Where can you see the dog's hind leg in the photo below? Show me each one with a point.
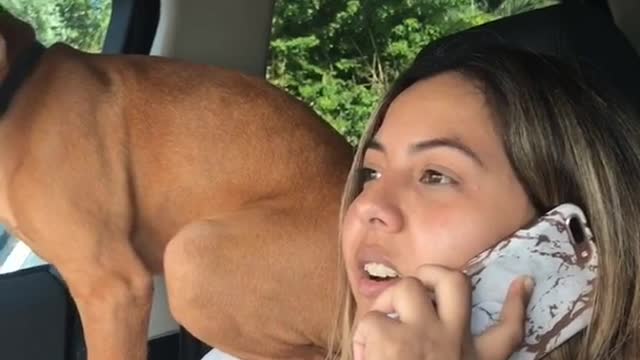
(216, 280)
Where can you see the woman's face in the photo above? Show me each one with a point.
(438, 188)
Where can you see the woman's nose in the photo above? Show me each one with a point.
(379, 210)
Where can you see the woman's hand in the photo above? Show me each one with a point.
(427, 331)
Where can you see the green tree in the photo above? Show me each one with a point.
(339, 56)
(79, 23)
(510, 7)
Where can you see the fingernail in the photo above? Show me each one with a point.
(529, 283)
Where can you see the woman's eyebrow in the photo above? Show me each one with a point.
(452, 143)
(425, 145)
(373, 144)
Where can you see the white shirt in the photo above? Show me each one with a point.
(216, 354)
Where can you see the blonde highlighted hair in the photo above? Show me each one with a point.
(568, 139)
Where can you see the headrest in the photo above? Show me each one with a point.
(573, 32)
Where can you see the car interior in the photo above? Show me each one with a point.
(38, 319)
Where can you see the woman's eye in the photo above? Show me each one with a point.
(368, 174)
(433, 177)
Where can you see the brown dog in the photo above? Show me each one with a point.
(114, 168)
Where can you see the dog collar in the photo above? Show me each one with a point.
(22, 68)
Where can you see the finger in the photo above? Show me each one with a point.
(371, 334)
(502, 339)
(410, 300)
(452, 295)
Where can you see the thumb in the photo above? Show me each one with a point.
(505, 337)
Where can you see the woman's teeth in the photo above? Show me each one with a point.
(378, 271)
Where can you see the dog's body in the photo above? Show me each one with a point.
(114, 168)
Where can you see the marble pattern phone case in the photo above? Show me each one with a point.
(564, 271)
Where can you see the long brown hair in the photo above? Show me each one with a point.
(568, 140)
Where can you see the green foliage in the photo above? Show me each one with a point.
(339, 56)
(509, 7)
(80, 23)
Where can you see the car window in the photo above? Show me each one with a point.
(80, 23)
(339, 56)
(15, 255)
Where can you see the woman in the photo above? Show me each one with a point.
(463, 151)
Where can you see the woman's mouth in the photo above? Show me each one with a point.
(375, 278)
(379, 272)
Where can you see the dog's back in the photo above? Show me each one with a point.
(231, 141)
(191, 141)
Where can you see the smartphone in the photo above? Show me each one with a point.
(559, 253)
